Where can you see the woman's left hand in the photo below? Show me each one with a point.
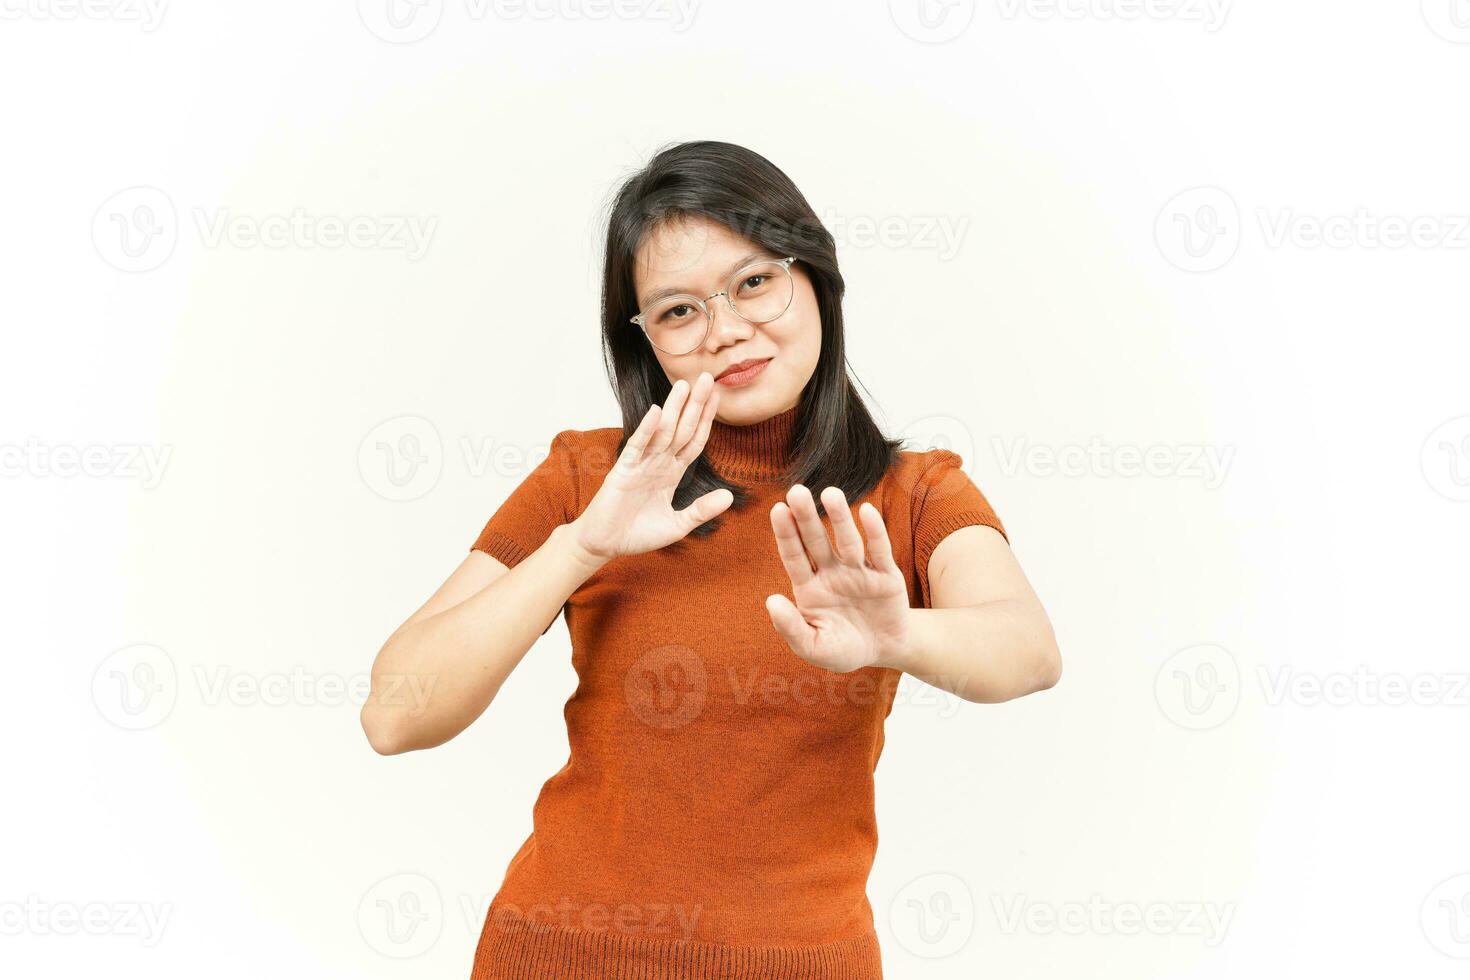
(851, 611)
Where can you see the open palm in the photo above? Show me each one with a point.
(850, 611)
(633, 511)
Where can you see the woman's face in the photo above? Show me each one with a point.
(697, 256)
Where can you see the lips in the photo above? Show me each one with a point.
(741, 366)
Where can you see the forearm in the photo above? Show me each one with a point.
(434, 677)
(988, 653)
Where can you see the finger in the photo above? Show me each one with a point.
(788, 545)
(669, 417)
(692, 419)
(790, 623)
(880, 549)
(707, 507)
(696, 445)
(638, 441)
(809, 523)
(848, 540)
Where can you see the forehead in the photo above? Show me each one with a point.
(684, 252)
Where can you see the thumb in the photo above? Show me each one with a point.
(790, 623)
(711, 505)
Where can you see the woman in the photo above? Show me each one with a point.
(734, 662)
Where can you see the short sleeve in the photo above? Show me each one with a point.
(945, 500)
(545, 499)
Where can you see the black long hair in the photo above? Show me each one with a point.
(835, 440)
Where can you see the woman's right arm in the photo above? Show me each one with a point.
(440, 670)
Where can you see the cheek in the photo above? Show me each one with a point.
(801, 340)
(809, 337)
(670, 370)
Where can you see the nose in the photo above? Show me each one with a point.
(726, 327)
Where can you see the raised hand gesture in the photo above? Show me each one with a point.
(633, 510)
(849, 611)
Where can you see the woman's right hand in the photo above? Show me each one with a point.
(633, 510)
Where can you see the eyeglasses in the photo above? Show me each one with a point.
(758, 293)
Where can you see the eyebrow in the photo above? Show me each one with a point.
(672, 291)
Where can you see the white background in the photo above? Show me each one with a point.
(1178, 227)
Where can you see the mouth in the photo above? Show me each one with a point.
(740, 370)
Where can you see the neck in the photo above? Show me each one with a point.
(758, 451)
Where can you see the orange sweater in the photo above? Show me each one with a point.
(715, 817)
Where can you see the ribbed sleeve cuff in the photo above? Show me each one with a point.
(932, 534)
(507, 552)
(499, 547)
(940, 529)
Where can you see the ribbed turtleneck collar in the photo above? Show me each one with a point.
(759, 451)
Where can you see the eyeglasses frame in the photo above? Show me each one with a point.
(709, 317)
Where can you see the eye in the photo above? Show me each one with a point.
(673, 312)
(752, 279)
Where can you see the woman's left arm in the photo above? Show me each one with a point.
(986, 637)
